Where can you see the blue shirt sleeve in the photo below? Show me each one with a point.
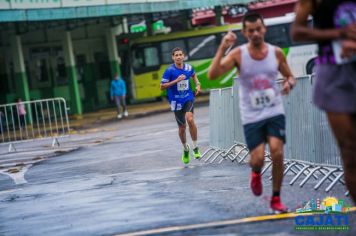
(166, 77)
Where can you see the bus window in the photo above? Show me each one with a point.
(240, 37)
(145, 58)
(239, 41)
(278, 35)
(202, 47)
(138, 59)
(167, 48)
(151, 56)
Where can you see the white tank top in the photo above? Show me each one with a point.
(259, 93)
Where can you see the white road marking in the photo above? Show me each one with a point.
(18, 177)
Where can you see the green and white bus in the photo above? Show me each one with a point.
(150, 56)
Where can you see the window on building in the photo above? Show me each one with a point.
(80, 64)
(39, 66)
(102, 65)
(60, 73)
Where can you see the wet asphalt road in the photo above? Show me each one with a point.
(130, 178)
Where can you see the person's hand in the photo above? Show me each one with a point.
(348, 48)
(197, 89)
(229, 40)
(180, 78)
(287, 86)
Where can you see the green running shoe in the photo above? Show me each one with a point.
(196, 153)
(186, 156)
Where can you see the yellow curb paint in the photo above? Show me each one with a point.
(218, 223)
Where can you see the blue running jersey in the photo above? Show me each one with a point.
(179, 93)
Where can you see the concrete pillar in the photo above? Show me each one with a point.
(90, 84)
(114, 58)
(75, 102)
(21, 82)
(185, 18)
(218, 16)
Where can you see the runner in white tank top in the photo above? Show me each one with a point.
(261, 104)
(259, 93)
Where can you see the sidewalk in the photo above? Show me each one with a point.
(109, 115)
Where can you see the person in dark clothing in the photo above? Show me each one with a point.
(335, 87)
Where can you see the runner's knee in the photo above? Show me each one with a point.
(190, 120)
(257, 159)
(182, 128)
(276, 153)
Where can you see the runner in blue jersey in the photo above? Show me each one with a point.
(260, 99)
(181, 98)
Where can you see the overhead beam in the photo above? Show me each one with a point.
(15, 15)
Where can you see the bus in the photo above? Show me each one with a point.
(150, 56)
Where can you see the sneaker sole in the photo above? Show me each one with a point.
(256, 194)
(277, 212)
(185, 163)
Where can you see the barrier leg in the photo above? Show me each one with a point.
(324, 178)
(332, 177)
(299, 174)
(243, 158)
(299, 166)
(266, 168)
(334, 182)
(206, 152)
(232, 157)
(12, 148)
(216, 156)
(309, 175)
(55, 142)
(212, 154)
(289, 168)
(238, 153)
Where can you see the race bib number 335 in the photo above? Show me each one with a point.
(262, 98)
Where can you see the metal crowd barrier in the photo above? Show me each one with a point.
(310, 152)
(44, 119)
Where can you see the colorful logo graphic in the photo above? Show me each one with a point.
(327, 214)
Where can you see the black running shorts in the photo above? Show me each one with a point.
(257, 133)
(180, 115)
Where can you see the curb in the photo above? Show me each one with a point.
(94, 124)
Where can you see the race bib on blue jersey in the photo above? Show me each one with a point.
(183, 85)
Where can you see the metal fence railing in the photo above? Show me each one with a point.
(31, 120)
(310, 151)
